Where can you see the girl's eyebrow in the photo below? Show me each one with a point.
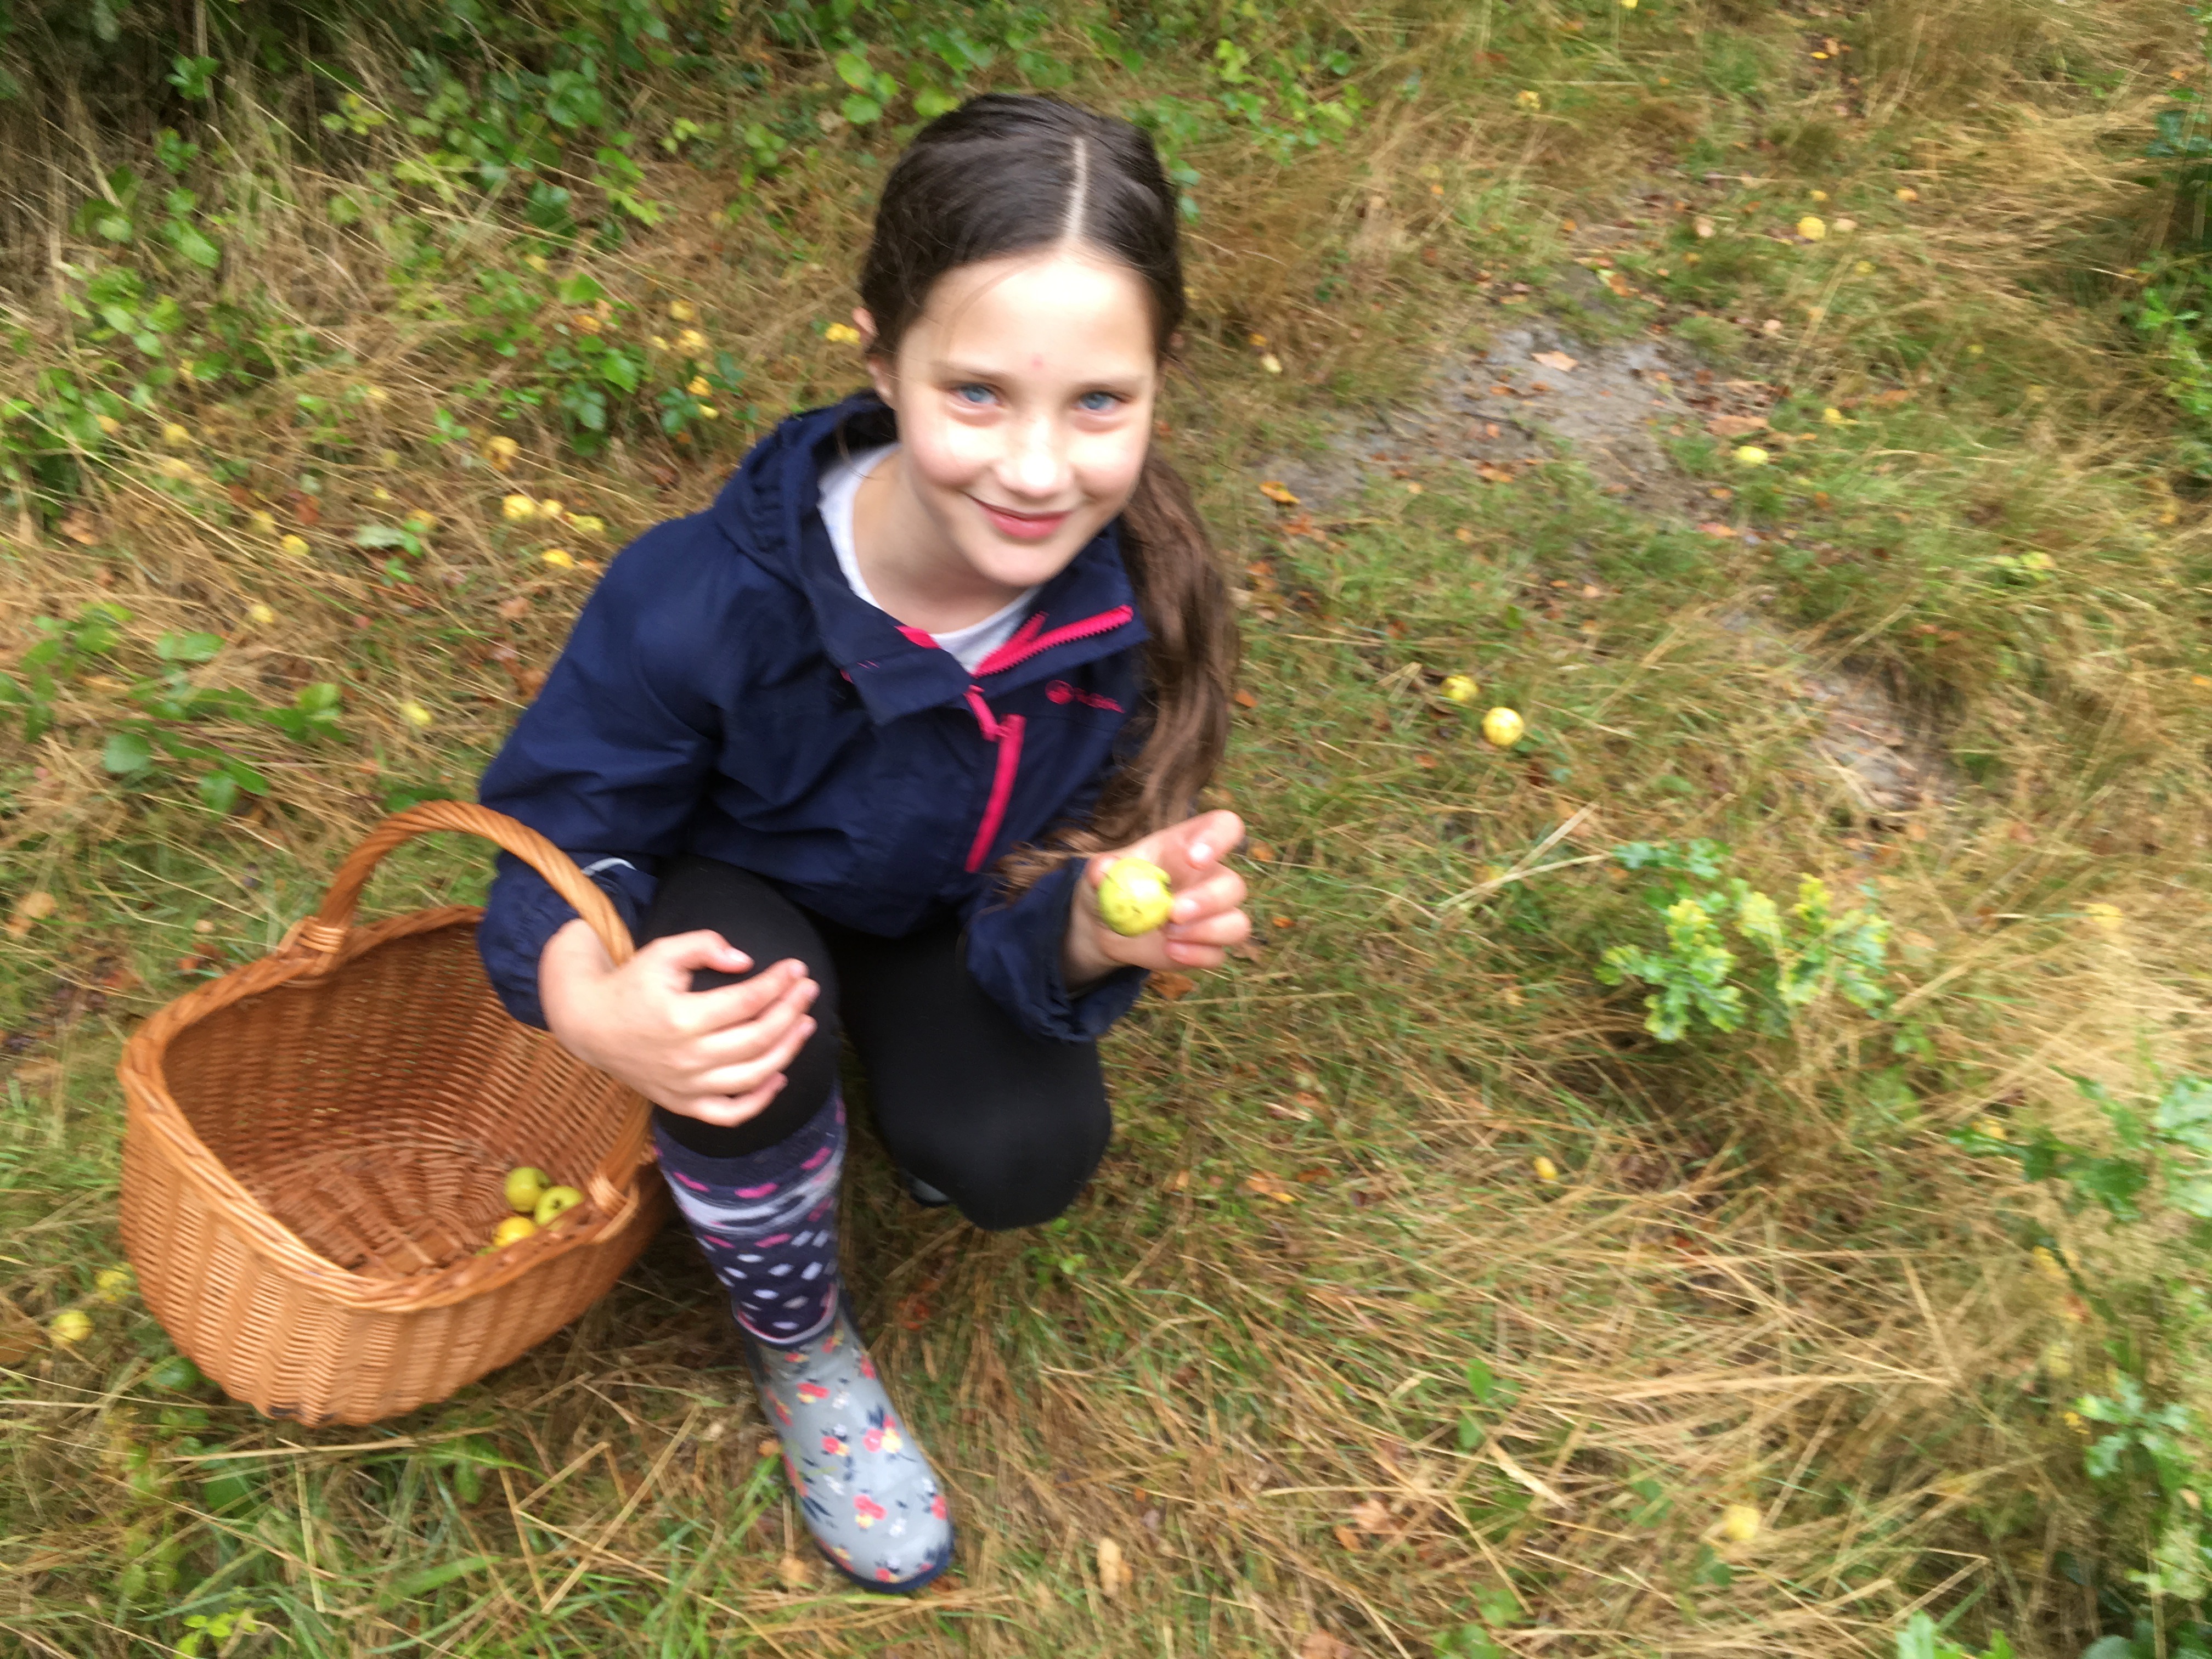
(962, 373)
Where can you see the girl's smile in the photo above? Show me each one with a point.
(1024, 397)
(1022, 526)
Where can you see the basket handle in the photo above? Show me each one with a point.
(324, 933)
(613, 1186)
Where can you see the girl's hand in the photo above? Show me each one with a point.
(716, 1055)
(1205, 921)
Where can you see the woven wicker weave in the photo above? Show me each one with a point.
(317, 1145)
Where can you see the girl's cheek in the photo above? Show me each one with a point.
(949, 457)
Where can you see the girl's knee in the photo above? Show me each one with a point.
(1026, 1177)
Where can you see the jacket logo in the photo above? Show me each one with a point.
(1061, 691)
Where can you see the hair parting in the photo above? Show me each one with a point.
(1003, 174)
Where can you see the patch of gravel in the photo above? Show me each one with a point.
(1535, 392)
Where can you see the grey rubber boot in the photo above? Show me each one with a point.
(869, 1496)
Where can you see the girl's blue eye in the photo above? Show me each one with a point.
(1097, 402)
(972, 393)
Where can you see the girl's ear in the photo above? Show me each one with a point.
(879, 369)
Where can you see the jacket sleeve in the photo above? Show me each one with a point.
(611, 760)
(522, 912)
(1014, 952)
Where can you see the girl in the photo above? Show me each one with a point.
(850, 749)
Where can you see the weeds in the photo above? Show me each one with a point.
(1431, 1302)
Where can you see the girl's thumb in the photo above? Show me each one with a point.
(683, 954)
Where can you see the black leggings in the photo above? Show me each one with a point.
(1007, 1125)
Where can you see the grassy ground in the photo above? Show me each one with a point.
(1429, 1303)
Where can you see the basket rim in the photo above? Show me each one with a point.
(152, 1107)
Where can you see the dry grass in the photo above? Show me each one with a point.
(1760, 1278)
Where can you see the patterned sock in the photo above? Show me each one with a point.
(768, 1222)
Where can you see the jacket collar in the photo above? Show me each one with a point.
(1087, 612)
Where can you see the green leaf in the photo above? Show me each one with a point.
(175, 1374)
(860, 111)
(852, 69)
(930, 103)
(192, 245)
(127, 753)
(384, 535)
(579, 291)
(218, 791)
(1497, 1605)
(188, 647)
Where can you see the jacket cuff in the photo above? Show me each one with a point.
(522, 911)
(1014, 953)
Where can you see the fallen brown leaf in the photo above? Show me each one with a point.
(1171, 987)
(34, 906)
(795, 1574)
(1113, 1568)
(1736, 426)
(79, 528)
(19, 1335)
(1245, 699)
(1320, 1644)
(1349, 1539)
(1373, 1517)
(1557, 360)
(1267, 1185)
(1275, 490)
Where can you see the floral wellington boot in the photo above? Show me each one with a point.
(870, 1497)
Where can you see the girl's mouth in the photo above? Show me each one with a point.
(1021, 527)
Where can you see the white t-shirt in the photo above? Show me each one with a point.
(841, 485)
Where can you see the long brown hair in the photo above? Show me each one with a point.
(1003, 174)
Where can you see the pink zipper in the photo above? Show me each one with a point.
(1007, 734)
(1027, 642)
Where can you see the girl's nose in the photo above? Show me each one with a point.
(1035, 467)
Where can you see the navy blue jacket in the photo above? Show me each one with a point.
(726, 692)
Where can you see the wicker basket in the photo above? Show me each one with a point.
(317, 1145)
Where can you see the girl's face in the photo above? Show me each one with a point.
(1025, 397)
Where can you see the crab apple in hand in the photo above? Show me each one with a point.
(1205, 918)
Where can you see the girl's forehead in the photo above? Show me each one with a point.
(1037, 307)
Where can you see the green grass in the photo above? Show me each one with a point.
(1322, 1350)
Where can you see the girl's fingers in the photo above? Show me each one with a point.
(750, 1038)
(672, 961)
(727, 1110)
(1222, 890)
(1195, 956)
(699, 1013)
(1229, 927)
(1209, 837)
(750, 1074)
